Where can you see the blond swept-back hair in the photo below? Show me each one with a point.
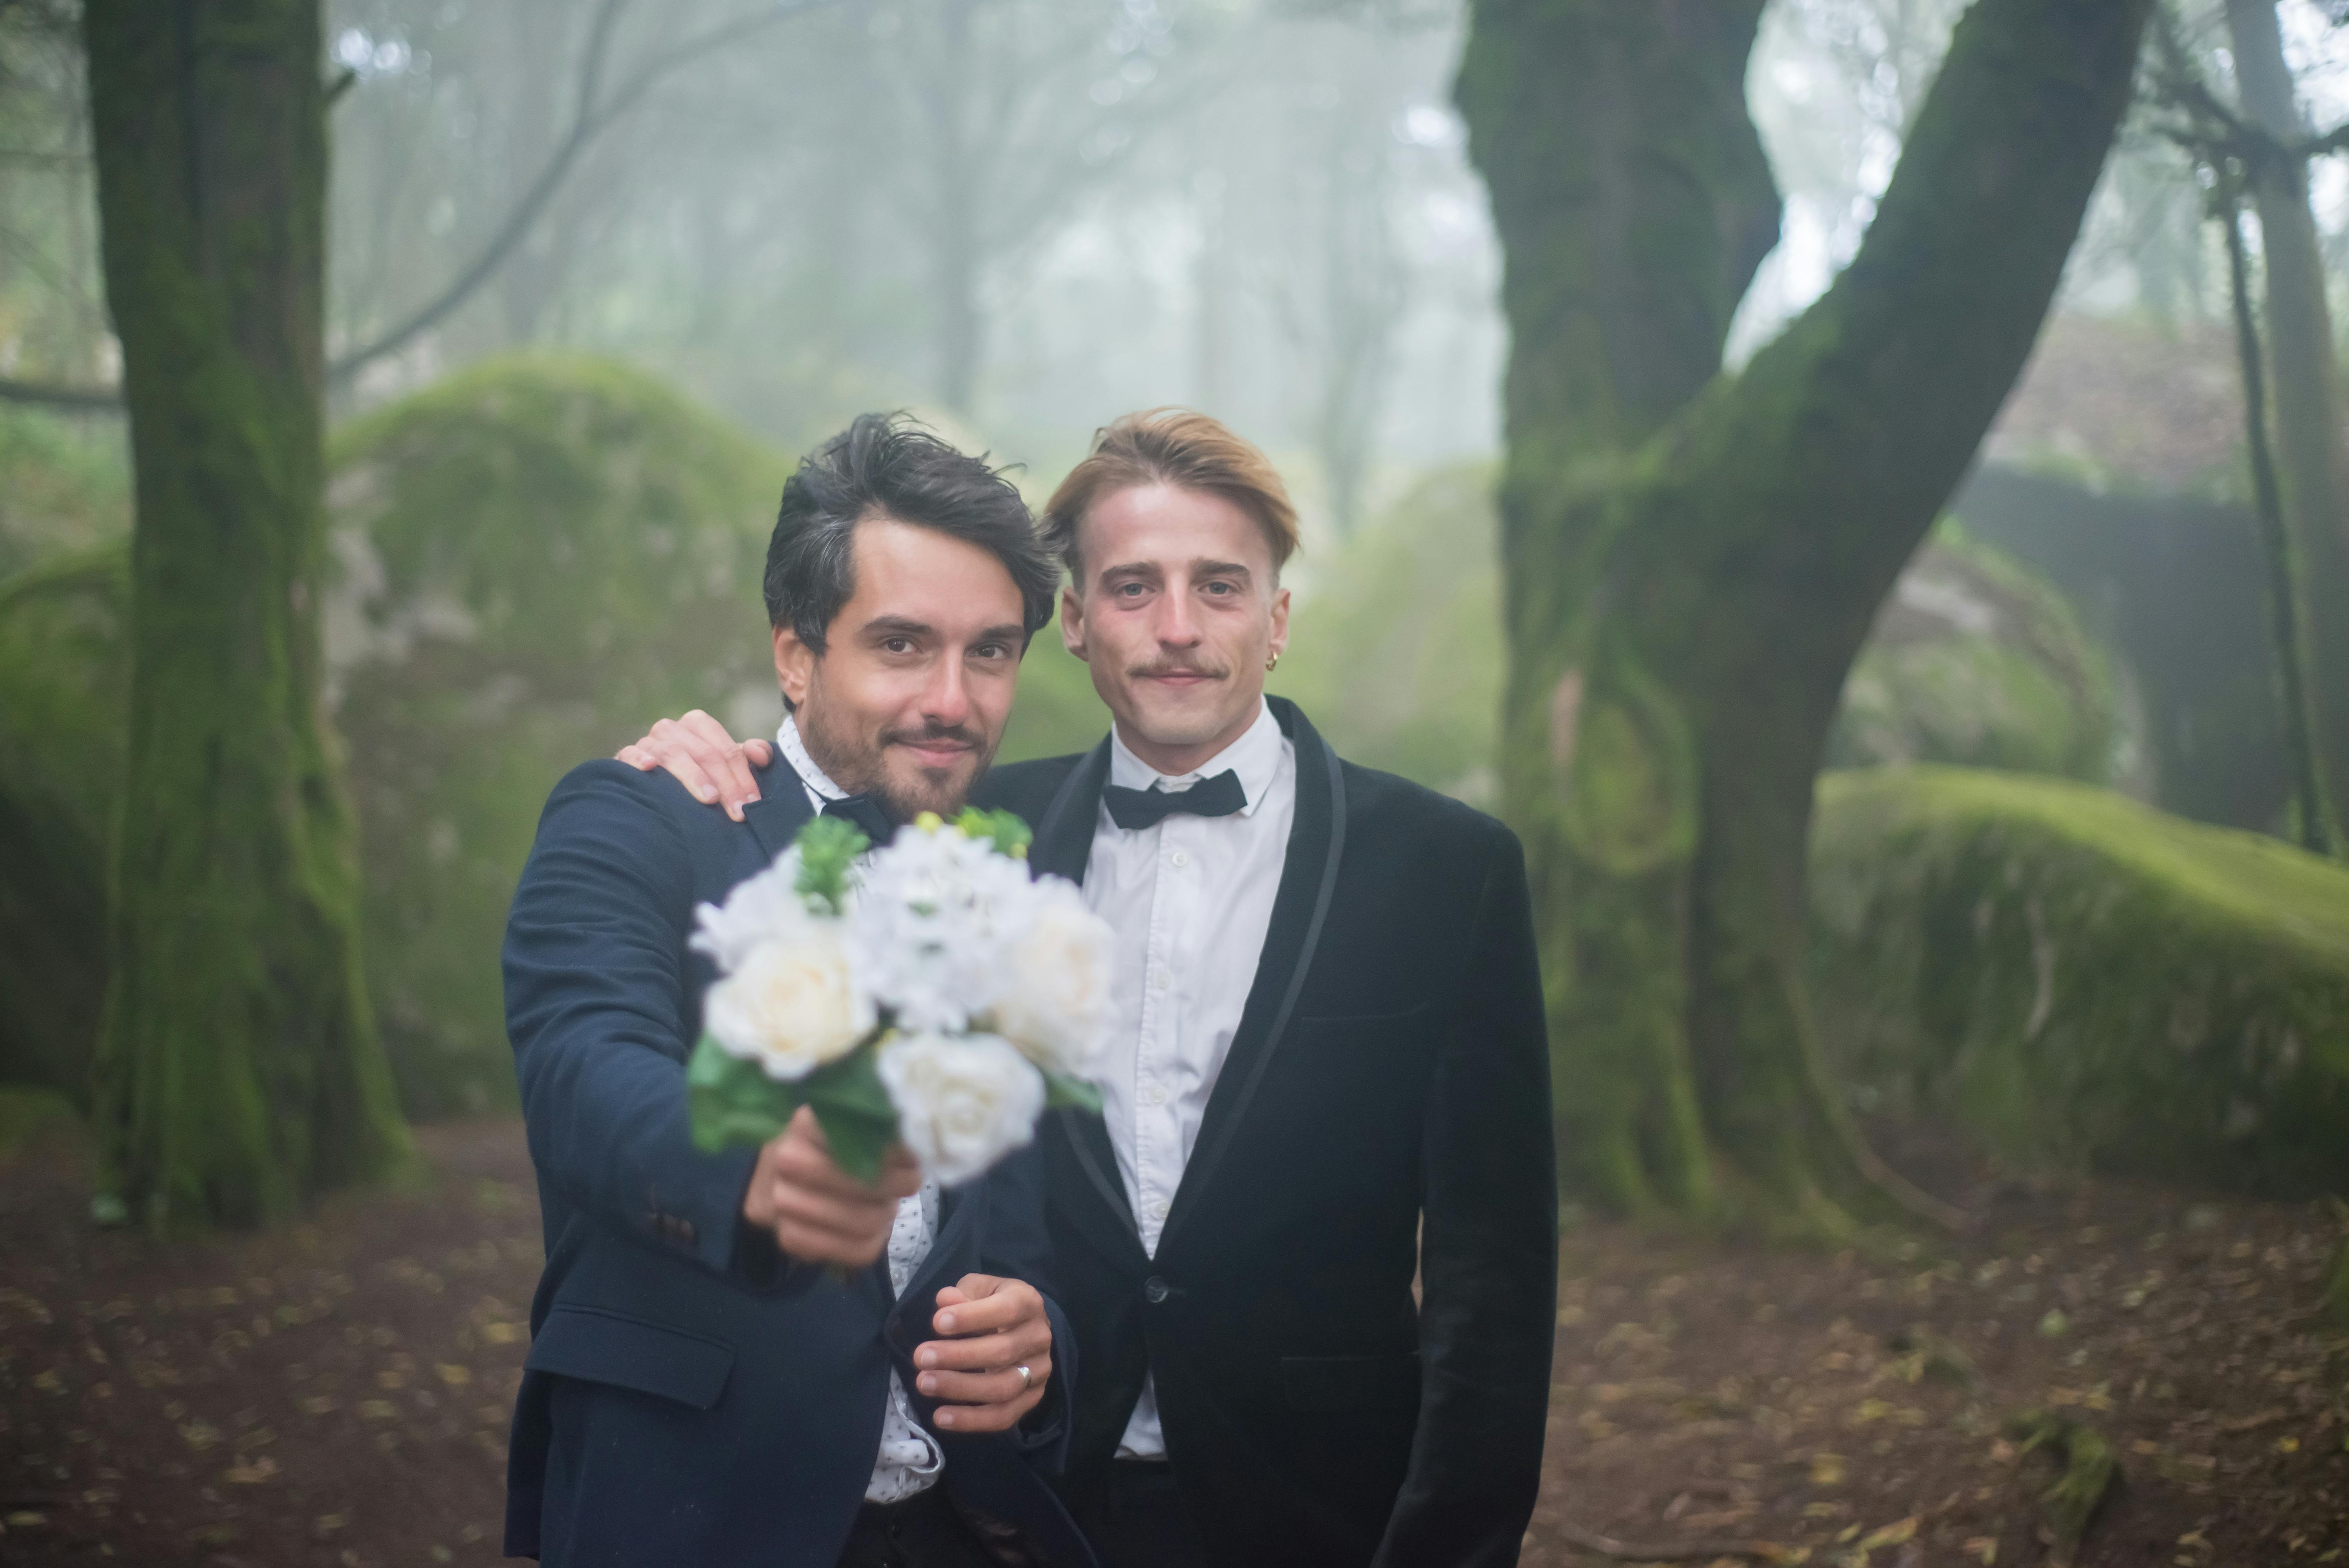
(1178, 446)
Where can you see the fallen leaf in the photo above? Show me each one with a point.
(252, 1473)
(1897, 1534)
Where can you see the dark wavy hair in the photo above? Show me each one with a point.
(889, 465)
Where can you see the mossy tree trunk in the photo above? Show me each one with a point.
(238, 1063)
(1692, 560)
(2308, 409)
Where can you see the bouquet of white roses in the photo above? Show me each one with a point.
(931, 994)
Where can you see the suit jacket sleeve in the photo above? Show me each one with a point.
(1488, 1255)
(594, 974)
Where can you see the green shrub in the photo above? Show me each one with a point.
(537, 557)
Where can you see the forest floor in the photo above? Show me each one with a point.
(337, 1392)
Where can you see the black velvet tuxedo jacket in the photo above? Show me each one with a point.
(1390, 1068)
(691, 1395)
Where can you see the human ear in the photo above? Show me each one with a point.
(794, 666)
(1072, 620)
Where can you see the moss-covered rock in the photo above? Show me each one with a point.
(62, 698)
(537, 556)
(1394, 644)
(1976, 661)
(2082, 981)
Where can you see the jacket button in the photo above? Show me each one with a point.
(1154, 1289)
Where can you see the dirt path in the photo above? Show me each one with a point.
(337, 1393)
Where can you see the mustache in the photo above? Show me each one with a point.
(935, 735)
(1157, 667)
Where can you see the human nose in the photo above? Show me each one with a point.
(1177, 628)
(945, 703)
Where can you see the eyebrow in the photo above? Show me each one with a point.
(907, 626)
(1201, 568)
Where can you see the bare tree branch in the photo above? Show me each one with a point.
(590, 119)
(594, 114)
(106, 399)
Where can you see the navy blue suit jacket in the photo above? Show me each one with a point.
(691, 1395)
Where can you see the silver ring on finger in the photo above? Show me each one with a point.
(1027, 1378)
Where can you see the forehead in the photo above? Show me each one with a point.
(919, 574)
(1165, 525)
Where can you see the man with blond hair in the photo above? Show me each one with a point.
(1329, 1073)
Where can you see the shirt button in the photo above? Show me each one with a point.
(1179, 859)
(1160, 979)
(1158, 1210)
(1153, 1094)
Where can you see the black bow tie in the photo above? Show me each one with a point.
(1217, 797)
(866, 813)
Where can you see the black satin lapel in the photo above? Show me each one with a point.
(1064, 834)
(1089, 1139)
(781, 809)
(1308, 879)
(1097, 1207)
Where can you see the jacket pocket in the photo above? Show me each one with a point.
(599, 1347)
(1350, 1382)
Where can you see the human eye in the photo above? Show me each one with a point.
(897, 646)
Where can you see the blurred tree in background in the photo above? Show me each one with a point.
(1692, 562)
(238, 1062)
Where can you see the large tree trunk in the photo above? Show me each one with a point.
(238, 1064)
(2309, 439)
(1693, 562)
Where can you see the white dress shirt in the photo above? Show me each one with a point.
(1190, 901)
(910, 1458)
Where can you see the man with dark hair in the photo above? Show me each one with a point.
(724, 1367)
(1309, 1247)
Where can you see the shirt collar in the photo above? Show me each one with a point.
(1254, 757)
(818, 783)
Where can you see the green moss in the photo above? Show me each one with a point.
(63, 673)
(2082, 981)
(68, 487)
(537, 558)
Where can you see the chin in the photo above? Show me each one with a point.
(912, 791)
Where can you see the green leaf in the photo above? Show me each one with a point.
(852, 1106)
(1010, 835)
(858, 1141)
(1061, 1090)
(828, 846)
(731, 1102)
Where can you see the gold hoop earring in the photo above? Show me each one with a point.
(1272, 663)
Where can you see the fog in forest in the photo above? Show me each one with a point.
(1021, 217)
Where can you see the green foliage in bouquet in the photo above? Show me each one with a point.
(733, 1102)
(828, 846)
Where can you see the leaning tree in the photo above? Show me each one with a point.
(1694, 558)
(238, 1064)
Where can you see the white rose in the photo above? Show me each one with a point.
(791, 1006)
(1054, 1002)
(963, 1101)
(757, 910)
(932, 914)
